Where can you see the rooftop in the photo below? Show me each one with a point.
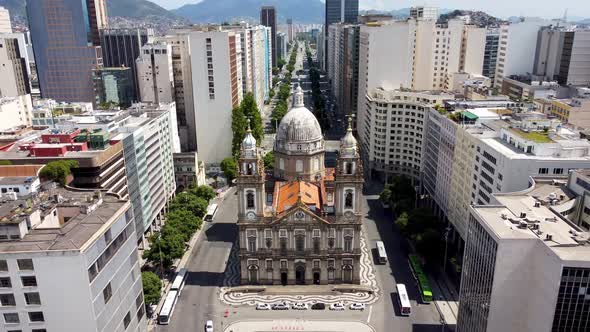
(522, 216)
(291, 192)
(81, 215)
(535, 136)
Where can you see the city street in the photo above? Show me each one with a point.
(199, 300)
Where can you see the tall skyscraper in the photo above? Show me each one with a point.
(290, 32)
(121, 47)
(5, 26)
(340, 11)
(65, 36)
(13, 69)
(268, 18)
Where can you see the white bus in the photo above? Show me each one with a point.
(179, 279)
(168, 308)
(211, 212)
(381, 252)
(404, 301)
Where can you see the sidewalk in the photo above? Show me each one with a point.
(444, 299)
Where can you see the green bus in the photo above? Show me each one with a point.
(421, 279)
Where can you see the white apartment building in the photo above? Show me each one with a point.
(517, 47)
(5, 26)
(256, 68)
(392, 128)
(525, 268)
(473, 154)
(183, 87)
(423, 12)
(15, 112)
(155, 76)
(217, 89)
(14, 66)
(71, 264)
(417, 54)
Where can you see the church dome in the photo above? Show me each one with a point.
(299, 125)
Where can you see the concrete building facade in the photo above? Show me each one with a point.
(154, 73)
(14, 67)
(87, 244)
(5, 26)
(268, 18)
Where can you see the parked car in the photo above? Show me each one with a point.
(357, 306)
(280, 306)
(299, 306)
(318, 306)
(337, 306)
(209, 326)
(262, 306)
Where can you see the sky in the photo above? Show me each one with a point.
(500, 8)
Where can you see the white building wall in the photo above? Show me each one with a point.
(213, 115)
(579, 70)
(5, 26)
(516, 50)
(155, 73)
(15, 112)
(474, 50)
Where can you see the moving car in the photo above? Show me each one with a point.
(299, 306)
(262, 306)
(209, 326)
(357, 306)
(280, 306)
(337, 306)
(318, 306)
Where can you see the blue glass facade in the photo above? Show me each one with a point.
(64, 53)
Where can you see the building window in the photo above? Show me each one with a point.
(5, 282)
(250, 200)
(252, 243)
(543, 170)
(558, 171)
(36, 316)
(127, 320)
(349, 167)
(3, 265)
(7, 300)
(348, 237)
(348, 198)
(316, 263)
(300, 243)
(32, 299)
(25, 264)
(29, 281)
(38, 330)
(107, 293)
(11, 318)
(268, 238)
(299, 165)
(331, 237)
(281, 164)
(268, 264)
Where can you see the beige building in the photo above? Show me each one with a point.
(5, 26)
(307, 229)
(15, 112)
(575, 111)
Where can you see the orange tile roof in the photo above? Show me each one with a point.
(289, 194)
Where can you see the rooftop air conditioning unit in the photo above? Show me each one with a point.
(548, 237)
(522, 215)
(537, 204)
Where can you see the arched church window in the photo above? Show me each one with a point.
(249, 169)
(348, 198)
(298, 147)
(349, 167)
(250, 200)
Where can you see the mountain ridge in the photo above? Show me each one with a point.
(218, 11)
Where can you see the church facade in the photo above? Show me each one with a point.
(304, 226)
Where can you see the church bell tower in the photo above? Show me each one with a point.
(250, 180)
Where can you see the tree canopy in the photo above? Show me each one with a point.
(152, 287)
(58, 170)
(246, 110)
(184, 200)
(229, 168)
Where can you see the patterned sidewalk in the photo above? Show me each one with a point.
(232, 279)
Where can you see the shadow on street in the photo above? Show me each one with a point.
(204, 278)
(221, 232)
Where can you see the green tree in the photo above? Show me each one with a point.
(196, 205)
(229, 168)
(281, 63)
(205, 192)
(251, 111)
(429, 244)
(271, 94)
(58, 170)
(152, 287)
(402, 223)
(275, 70)
(269, 160)
(183, 221)
(238, 126)
(165, 248)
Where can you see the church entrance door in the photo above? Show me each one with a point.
(300, 275)
(316, 278)
(284, 278)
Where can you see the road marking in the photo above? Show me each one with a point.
(370, 312)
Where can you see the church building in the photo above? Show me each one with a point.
(303, 226)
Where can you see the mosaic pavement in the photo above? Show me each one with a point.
(232, 279)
